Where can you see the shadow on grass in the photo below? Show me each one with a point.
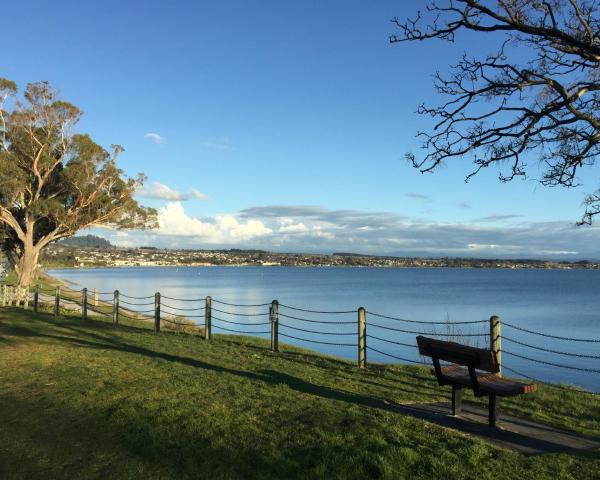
(348, 371)
(101, 335)
(118, 437)
(270, 376)
(73, 442)
(84, 338)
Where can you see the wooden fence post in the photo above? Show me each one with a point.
(496, 340)
(57, 301)
(36, 298)
(274, 315)
(95, 297)
(157, 312)
(362, 338)
(20, 294)
(26, 298)
(84, 304)
(3, 294)
(207, 318)
(116, 308)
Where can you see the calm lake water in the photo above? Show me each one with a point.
(562, 303)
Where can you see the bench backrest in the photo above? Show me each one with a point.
(479, 358)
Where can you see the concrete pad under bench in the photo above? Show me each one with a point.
(517, 434)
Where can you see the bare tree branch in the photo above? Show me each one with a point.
(505, 109)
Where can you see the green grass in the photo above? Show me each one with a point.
(91, 401)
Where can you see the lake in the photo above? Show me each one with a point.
(561, 303)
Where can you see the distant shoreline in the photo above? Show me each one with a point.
(64, 256)
(397, 267)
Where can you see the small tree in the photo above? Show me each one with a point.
(54, 182)
(536, 97)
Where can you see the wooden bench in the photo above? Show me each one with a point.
(480, 374)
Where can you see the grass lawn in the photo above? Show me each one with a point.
(91, 401)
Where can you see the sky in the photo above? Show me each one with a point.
(283, 125)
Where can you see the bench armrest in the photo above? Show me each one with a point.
(442, 380)
(474, 380)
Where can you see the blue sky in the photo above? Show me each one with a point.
(282, 125)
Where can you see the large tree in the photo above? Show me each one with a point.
(535, 97)
(54, 182)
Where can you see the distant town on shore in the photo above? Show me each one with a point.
(91, 251)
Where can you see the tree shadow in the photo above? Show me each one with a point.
(97, 341)
(133, 447)
(100, 335)
(303, 386)
(426, 386)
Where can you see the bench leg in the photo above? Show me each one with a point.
(493, 410)
(456, 400)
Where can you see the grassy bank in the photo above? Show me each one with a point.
(89, 401)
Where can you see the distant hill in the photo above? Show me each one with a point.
(90, 241)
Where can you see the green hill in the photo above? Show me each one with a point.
(88, 241)
(90, 401)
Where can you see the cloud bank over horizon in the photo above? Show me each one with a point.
(308, 228)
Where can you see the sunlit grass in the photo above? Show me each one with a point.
(91, 401)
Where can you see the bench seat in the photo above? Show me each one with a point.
(488, 382)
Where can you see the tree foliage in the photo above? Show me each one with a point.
(54, 182)
(537, 97)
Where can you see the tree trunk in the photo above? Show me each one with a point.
(27, 265)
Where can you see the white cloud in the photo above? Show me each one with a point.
(478, 246)
(316, 229)
(160, 191)
(389, 233)
(154, 137)
(198, 195)
(226, 229)
(295, 228)
(288, 226)
(320, 233)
